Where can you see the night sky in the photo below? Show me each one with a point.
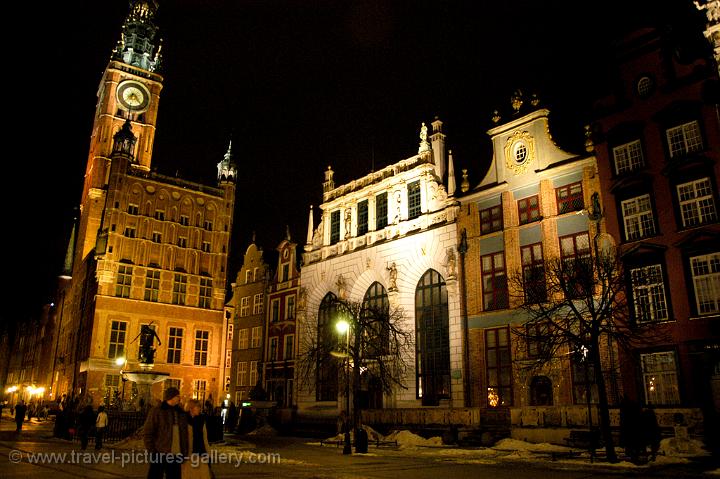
(297, 85)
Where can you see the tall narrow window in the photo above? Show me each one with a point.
(179, 288)
(569, 198)
(288, 350)
(258, 304)
(638, 218)
(290, 308)
(376, 308)
(533, 268)
(255, 337)
(697, 202)
(285, 272)
(499, 367)
(116, 347)
(628, 157)
(660, 378)
(275, 310)
(529, 209)
(491, 219)
(253, 373)
(199, 389)
(202, 339)
(583, 378)
(577, 273)
(705, 272)
(244, 306)
(494, 280)
(124, 281)
(684, 139)
(243, 338)
(334, 227)
(381, 211)
(432, 333)
(242, 373)
(362, 211)
(174, 349)
(205, 293)
(326, 381)
(273, 356)
(648, 292)
(152, 285)
(414, 204)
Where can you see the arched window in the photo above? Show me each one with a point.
(432, 339)
(326, 384)
(376, 308)
(541, 393)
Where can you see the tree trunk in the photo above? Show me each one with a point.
(603, 407)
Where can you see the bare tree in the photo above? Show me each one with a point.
(576, 306)
(378, 345)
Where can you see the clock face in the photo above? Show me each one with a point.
(133, 96)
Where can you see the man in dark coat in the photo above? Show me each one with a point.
(20, 410)
(86, 421)
(166, 437)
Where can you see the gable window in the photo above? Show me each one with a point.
(285, 272)
(413, 192)
(494, 282)
(684, 139)
(124, 281)
(648, 293)
(205, 293)
(569, 198)
(179, 288)
(174, 350)
(202, 339)
(529, 209)
(499, 367)
(362, 211)
(697, 202)
(628, 157)
(660, 378)
(533, 273)
(334, 227)
(638, 218)
(705, 272)
(491, 219)
(152, 285)
(381, 211)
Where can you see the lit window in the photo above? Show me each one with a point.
(638, 218)
(242, 373)
(684, 139)
(381, 211)
(697, 203)
(499, 367)
(660, 378)
(152, 285)
(175, 336)
(202, 339)
(569, 198)
(334, 227)
(529, 209)
(116, 347)
(706, 282)
(205, 293)
(494, 282)
(491, 219)
(124, 281)
(179, 288)
(258, 303)
(243, 339)
(362, 211)
(413, 194)
(244, 306)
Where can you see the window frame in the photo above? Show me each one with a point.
(698, 219)
(414, 198)
(657, 298)
(633, 155)
(713, 275)
(174, 348)
(202, 347)
(495, 294)
(363, 211)
(381, 210)
(645, 228)
(493, 220)
(666, 394)
(685, 144)
(528, 209)
(502, 364)
(573, 201)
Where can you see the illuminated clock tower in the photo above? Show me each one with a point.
(129, 89)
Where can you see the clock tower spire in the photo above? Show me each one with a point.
(129, 90)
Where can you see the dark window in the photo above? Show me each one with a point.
(362, 211)
(381, 211)
(334, 227)
(491, 219)
(432, 333)
(413, 192)
(569, 198)
(583, 377)
(326, 384)
(529, 209)
(577, 269)
(494, 281)
(498, 367)
(376, 309)
(533, 273)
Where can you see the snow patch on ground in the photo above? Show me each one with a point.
(517, 445)
(265, 430)
(407, 439)
(682, 447)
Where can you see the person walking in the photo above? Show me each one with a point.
(86, 420)
(20, 410)
(199, 465)
(165, 435)
(100, 424)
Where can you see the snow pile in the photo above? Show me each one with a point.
(406, 439)
(516, 445)
(265, 430)
(679, 447)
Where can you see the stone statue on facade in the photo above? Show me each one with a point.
(450, 263)
(147, 351)
(393, 277)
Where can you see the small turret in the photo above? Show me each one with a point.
(438, 148)
(227, 170)
(328, 184)
(136, 46)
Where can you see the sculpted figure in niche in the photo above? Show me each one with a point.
(393, 276)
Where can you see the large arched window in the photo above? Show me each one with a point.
(432, 339)
(376, 308)
(326, 384)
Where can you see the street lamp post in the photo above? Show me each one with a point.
(122, 361)
(344, 327)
